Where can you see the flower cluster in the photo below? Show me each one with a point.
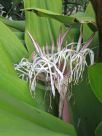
(54, 65)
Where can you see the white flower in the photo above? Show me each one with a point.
(53, 67)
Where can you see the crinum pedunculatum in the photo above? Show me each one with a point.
(60, 68)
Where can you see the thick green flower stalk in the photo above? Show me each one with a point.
(57, 67)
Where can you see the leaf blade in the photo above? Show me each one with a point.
(95, 78)
(11, 44)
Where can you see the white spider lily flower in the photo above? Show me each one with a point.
(53, 66)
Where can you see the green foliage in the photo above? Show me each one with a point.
(87, 31)
(17, 107)
(20, 114)
(86, 109)
(17, 25)
(44, 31)
(11, 9)
(16, 102)
(67, 20)
(7, 66)
(98, 131)
(71, 6)
(96, 80)
(13, 47)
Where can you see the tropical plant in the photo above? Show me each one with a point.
(27, 115)
(60, 68)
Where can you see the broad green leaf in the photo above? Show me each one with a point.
(18, 126)
(21, 88)
(87, 15)
(15, 87)
(95, 77)
(98, 131)
(86, 20)
(18, 25)
(86, 109)
(32, 116)
(79, 17)
(89, 10)
(44, 31)
(11, 44)
(5, 63)
(15, 99)
(87, 32)
(47, 13)
(20, 35)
